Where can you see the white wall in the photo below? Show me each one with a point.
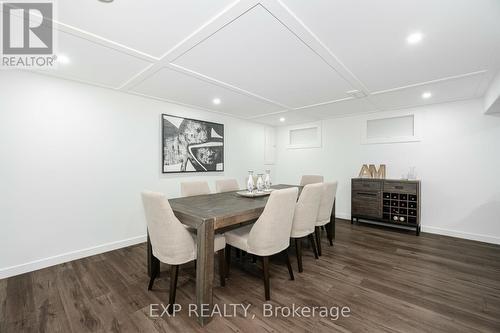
(458, 161)
(74, 159)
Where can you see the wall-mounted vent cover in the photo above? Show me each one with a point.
(305, 136)
(390, 129)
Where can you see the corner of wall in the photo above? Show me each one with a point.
(491, 98)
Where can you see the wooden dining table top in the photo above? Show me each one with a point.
(224, 209)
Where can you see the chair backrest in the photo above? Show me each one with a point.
(171, 241)
(306, 210)
(226, 185)
(327, 200)
(310, 179)
(271, 233)
(189, 189)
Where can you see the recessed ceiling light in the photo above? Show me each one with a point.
(106, 1)
(282, 119)
(216, 101)
(63, 59)
(414, 38)
(426, 95)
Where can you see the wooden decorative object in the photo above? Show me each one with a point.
(365, 172)
(381, 171)
(372, 172)
(378, 174)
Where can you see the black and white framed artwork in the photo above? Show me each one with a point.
(191, 145)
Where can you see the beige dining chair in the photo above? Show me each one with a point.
(269, 235)
(310, 179)
(226, 185)
(189, 189)
(171, 242)
(325, 212)
(304, 219)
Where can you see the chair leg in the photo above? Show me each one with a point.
(155, 269)
(330, 237)
(174, 272)
(265, 269)
(228, 259)
(298, 249)
(331, 226)
(329, 232)
(222, 267)
(289, 265)
(243, 257)
(313, 244)
(317, 232)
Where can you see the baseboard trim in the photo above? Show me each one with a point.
(78, 254)
(343, 216)
(460, 234)
(69, 256)
(445, 232)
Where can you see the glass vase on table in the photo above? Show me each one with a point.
(260, 183)
(267, 180)
(250, 183)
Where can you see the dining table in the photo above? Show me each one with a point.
(215, 213)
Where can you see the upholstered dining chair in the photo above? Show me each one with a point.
(189, 189)
(171, 242)
(310, 179)
(325, 212)
(226, 185)
(304, 219)
(269, 235)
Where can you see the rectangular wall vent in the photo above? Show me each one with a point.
(397, 128)
(305, 136)
(390, 127)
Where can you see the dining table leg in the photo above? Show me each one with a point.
(205, 271)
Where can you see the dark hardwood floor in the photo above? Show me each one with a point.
(391, 280)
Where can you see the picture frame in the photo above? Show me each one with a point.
(191, 145)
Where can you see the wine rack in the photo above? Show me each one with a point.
(399, 208)
(391, 202)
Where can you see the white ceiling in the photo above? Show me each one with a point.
(257, 45)
(369, 37)
(150, 26)
(96, 63)
(291, 58)
(174, 86)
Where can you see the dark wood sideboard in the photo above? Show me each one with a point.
(391, 202)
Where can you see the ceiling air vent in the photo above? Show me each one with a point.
(356, 93)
